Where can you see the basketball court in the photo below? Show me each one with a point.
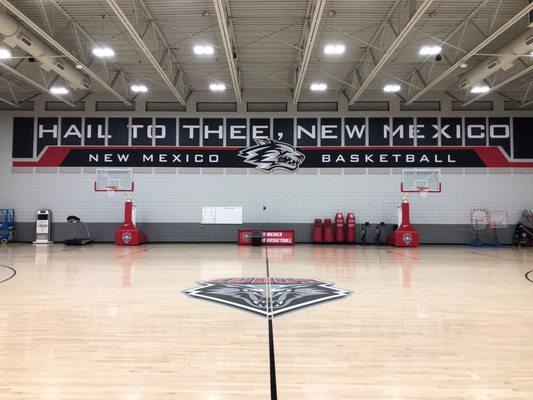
(303, 199)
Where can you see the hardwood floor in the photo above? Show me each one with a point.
(103, 322)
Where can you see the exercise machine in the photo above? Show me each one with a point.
(75, 222)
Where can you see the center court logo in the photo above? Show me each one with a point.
(251, 294)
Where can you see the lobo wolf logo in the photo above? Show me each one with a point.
(407, 238)
(126, 237)
(267, 297)
(269, 154)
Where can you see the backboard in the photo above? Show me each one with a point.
(114, 180)
(498, 219)
(421, 181)
(479, 219)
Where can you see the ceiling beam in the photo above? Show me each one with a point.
(473, 52)
(12, 104)
(144, 48)
(303, 62)
(390, 51)
(33, 83)
(525, 71)
(228, 40)
(50, 40)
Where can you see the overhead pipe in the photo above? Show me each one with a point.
(510, 22)
(522, 44)
(16, 35)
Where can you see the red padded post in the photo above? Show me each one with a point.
(317, 235)
(339, 228)
(350, 228)
(328, 231)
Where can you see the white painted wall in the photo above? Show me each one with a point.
(177, 196)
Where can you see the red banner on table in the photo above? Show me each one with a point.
(270, 237)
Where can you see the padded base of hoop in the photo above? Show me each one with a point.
(404, 238)
(129, 236)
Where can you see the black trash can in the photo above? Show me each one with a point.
(257, 238)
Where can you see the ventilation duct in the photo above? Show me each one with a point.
(15, 35)
(517, 47)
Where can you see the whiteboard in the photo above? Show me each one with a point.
(209, 215)
(222, 215)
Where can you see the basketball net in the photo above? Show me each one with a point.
(111, 189)
(423, 191)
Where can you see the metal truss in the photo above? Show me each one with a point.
(42, 87)
(503, 83)
(399, 38)
(162, 58)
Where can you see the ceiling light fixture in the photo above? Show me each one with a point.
(430, 50)
(203, 50)
(463, 65)
(217, 87)
(480, 89)
(79, 66)
(4, 53)
(103, 51)
(392, 88)
(58, 90)
(318, 86)
(334, 49)
(138, 88)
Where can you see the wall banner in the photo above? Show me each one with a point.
(270, 144)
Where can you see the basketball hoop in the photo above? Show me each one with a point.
(498, 219)
(479, 220)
